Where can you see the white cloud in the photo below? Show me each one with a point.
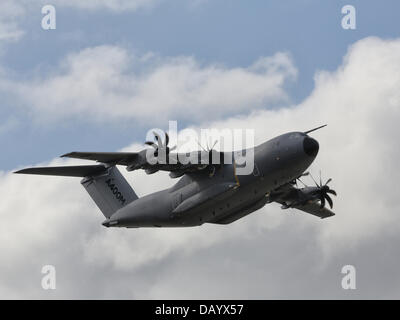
(107, 82)
(13, 12)
(271, 253)
(115, 5)
(10, 13)
(361, 104)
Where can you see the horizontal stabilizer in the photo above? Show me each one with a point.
(69, 171)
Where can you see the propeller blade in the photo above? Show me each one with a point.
(332, 192)
(302, 182)
(322, 202)
(329, 180)
(329, 200)
(314, 181)
(320, 179)
(201, 146)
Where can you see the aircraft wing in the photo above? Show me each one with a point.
(137, 160)
(164, 160)
(315, 209)
(121, 158)
(291, 197)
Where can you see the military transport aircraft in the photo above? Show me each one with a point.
(206, 192)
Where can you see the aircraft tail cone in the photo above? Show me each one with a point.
(109, 223)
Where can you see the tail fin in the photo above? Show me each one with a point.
(109, 190)
(105, 185)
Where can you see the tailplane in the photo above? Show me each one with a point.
(105, 184)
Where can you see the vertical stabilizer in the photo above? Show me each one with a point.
(109, 190)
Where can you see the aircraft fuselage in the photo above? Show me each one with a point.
(224, 196)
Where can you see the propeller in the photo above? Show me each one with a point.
(324, 191)
(210, 151)
(159, 144)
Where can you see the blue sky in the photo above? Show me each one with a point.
(233, 33)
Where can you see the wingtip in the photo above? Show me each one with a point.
(328, 216)
(22, 171)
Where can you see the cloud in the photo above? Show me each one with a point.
(10, 13)
(269, 254)
(107, 82)
(361, 104)
(114, 5)
(14, 12)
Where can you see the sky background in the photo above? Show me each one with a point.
(233, 34)
(112, 70)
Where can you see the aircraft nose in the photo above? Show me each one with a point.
(310, 146)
